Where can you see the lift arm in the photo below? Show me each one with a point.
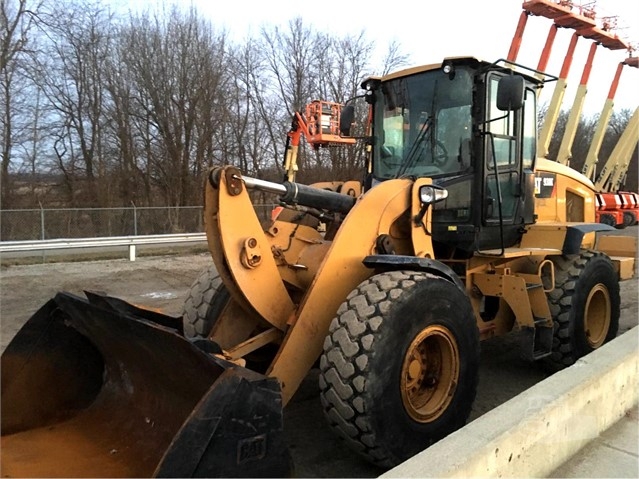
(592, 158)
(565, 149)
(550, 121)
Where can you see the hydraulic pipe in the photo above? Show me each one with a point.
(296, 193)
(262, 185)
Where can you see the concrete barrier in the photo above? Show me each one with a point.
(540, 429)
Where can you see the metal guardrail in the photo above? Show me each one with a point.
(72, 243)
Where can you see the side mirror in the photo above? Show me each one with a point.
(346, 120)
(510, 93)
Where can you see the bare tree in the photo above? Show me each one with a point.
(306, 65)
(394, 58)
(292, 59)
(178, 72)
(581, 143)
(348, 63)
(253, 140)
(122, 145)
(17, 19)
(70, 71)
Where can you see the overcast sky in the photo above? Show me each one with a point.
(430, 30)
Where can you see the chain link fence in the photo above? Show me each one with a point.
(56, 223)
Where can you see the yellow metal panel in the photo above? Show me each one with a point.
(293, 245)
(554, 167)
(542, 235)
(214, 239)
(617, 245)
(556, 208)
(625, 267)
(236, 233)
(522, 292)
(512, 289)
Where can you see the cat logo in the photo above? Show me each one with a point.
(251, 449)
(544, 185)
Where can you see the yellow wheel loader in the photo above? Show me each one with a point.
(457, 234)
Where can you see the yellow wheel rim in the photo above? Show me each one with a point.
(597, 315)
(430, 373)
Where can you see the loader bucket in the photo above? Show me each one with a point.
(99, 388)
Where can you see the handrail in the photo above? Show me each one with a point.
(72, 243)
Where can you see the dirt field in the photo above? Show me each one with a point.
(163, 282)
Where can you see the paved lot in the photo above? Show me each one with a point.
(163, 282)
(613, 454)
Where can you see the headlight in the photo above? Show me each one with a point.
(432, 194)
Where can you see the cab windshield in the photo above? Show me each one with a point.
(422, 125)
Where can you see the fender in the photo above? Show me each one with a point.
(576, 233)
(394, 262)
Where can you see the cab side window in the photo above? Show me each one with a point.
(530, 131)
(502, 129)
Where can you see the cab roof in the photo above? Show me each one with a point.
(435, 66)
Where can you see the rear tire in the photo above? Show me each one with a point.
(607, 219)
(205, 302)
(400, 365)
(584, 305)
(629, 218)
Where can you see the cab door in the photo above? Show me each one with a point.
(506, 173)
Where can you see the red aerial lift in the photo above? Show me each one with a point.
(581, 19)
(612, 177)
(614, 207)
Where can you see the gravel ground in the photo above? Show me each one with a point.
(163, 282)
(158, 282)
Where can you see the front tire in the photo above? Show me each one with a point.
(400, 365)
(584, 305)
(204, 304)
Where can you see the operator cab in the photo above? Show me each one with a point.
(471, 127)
